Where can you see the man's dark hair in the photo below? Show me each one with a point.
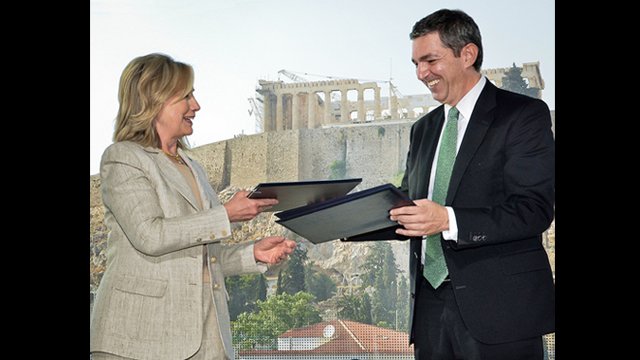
(456, 29)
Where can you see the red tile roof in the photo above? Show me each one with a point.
(350, 337)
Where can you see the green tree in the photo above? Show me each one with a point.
(512, 80)
(365, 312)
(402, 305)
(244, 291)
(262, 288)
(291, 278)
(373, 263)
(355, 307)
(276, 315)
(382, 274)
(390, 289)
(319, 284)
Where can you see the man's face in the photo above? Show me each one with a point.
(438, 68)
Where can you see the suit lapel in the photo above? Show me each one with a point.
(206, 203)
(426, 151)
(175, 178)
(479, 123)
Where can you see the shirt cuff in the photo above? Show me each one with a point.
(452, 233)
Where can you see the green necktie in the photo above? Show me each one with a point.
(435, 268)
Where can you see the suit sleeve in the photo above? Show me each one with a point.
(237, 259)
(131, 198)
(528, 181)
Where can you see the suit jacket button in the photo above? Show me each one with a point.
(213, 259)
(216, 286)
(224, 233)
(213, 236)
(199, 239)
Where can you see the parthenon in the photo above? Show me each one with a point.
(316, 104)
(300, 105)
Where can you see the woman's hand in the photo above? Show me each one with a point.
(273, 249)
(241, 208)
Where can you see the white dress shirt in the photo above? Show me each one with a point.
(465, 108)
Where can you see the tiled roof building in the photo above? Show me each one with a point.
(337, 339)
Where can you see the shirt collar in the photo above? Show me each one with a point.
(468, 102)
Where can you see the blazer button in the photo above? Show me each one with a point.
(213, 259)
(213, 236)
(216, 286)
(224, 233)
(199, 239)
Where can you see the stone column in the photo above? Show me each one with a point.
(344, 107)
(266, 114)
(311, 111)
(279, 124)
(362, 116)
(327, 107)
(377, 112)
(393, 103)
(295, 112)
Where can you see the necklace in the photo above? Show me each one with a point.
(175, 157)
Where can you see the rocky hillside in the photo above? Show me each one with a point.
(342, 260)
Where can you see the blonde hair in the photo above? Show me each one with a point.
(145, 84)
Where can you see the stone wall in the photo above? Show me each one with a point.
(376, 153)
(215, 158)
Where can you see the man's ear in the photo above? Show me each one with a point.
(469, 54)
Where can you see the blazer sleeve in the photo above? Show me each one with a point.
(132, 198)
(237, 259)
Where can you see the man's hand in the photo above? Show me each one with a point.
(425, 219)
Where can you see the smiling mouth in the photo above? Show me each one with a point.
(432, 83)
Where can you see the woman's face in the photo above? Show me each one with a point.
(175, 119)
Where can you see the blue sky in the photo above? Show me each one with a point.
(233, 43)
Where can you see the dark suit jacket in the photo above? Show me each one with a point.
(502, 192)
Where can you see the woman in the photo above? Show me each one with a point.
(163, 295)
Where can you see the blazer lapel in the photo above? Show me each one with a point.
(479, 123)
(174, 177)
(200, 177)
(425, 153)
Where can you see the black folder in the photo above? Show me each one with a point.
(348, 217)
(300, 193)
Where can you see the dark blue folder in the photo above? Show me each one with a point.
(294, 194)
(347, 216)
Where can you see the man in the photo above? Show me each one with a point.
(490, 293)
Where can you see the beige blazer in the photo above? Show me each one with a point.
(149, 302)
